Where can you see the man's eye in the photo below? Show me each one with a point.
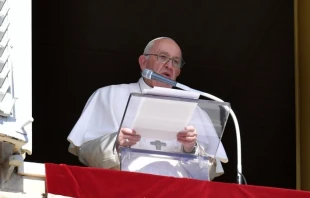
(176, 62)
(163, 57)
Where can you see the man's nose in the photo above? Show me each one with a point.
(169, 63)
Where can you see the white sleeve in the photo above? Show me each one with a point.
(99, 152)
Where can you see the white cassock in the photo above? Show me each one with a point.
(93, 136)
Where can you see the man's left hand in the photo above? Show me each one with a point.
(188, 138)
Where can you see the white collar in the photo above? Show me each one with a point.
(143, 85)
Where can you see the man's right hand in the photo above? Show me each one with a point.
(128, 137)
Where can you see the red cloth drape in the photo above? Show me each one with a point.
(86, 182)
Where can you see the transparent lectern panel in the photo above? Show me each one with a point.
(158, 119)
(165, 163)
(209, 119)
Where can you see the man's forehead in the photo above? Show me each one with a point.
(167, 47)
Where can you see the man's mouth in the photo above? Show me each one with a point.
(168, 75)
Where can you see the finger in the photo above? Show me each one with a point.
(187, 139)
(187, 134)
(191, 134)
(133, 138)
(189, 128)
(128, 131)
(127, 142)
(182, 134)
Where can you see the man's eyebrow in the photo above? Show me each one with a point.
(166, 53)
(163, 53)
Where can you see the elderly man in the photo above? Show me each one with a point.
(92, 138)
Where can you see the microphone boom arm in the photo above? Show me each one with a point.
(239, 164)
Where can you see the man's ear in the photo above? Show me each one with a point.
(142, 62)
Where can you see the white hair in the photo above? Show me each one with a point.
(149, 46)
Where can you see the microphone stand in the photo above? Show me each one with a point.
(239, 166)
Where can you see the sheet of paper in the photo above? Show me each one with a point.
(162, 119)
(171, 92)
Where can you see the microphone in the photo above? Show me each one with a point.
(149, 74)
